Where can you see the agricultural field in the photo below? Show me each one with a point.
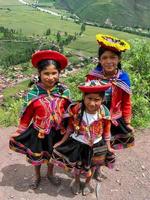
(15, 15)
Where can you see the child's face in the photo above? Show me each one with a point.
(49, 76)
(92, 102)
(109, 61)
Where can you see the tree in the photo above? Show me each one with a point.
(82, 27)
(58, 36)
(48, 31)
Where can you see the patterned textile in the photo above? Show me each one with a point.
(121, 79)
(37, 150)
(45, 110)
(41, 118)
(98, 128)
(121, 136)
(119, 104)
(73, 155)
(38, 91)
(85, 156)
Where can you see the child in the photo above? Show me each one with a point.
(88, 130)
(118, 96)
(41, 117)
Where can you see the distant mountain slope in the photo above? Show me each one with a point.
(117, 12)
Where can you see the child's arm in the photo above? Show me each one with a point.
(106, 134)
(66, 131)
(109, 146)
(62, 140)
(25, 120)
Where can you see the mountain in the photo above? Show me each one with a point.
(116, 12)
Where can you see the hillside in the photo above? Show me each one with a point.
(117, 12)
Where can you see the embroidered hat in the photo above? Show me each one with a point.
(112, 43)
(49, 55)
(93, 86)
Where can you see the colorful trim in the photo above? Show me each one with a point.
(110, 42)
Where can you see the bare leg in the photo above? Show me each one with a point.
(37, 178)
(98, 175)
(87, 187)
(50, 175)
(50, 168)
(76, 185)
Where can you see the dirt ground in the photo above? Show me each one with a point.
(130, 180)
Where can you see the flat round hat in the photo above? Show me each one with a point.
(94, 86)
(112, 43)
(49, 55)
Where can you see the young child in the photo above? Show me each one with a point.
(45, 103)
(118, 96)
(86, 142)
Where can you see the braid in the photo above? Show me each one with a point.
(82, 111)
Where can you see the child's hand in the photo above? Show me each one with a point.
(111, 150)
(57, 144)
(15, 134)
(130, 127)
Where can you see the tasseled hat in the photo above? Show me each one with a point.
(94, 86)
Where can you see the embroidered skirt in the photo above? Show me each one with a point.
(122, 137)
(37, 150)
(74, 154)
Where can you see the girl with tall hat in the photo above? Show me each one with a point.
(86, 141)
(118, 96)
(44, 105)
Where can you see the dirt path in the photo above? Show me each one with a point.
(130, 180)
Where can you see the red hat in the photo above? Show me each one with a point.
(94, 86)
(49, 55)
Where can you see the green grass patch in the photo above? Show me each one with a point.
(11, 91)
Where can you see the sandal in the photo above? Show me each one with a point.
(35, 183)
(55, 180)
(99, 176)
(76, 188)
(87, 189)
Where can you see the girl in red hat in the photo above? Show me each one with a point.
(44, 105)
(86, 142)
(118, 96)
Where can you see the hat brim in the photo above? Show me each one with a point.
(112, 43)
(109, 47)
(94, 89)
(49, 55)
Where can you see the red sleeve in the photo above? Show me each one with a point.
(69, 115)
(26, 118)
(70, 128)
(126, 107)
(63, 105)
(106, 129)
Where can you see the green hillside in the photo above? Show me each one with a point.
(117, 12)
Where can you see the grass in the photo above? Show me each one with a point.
(32, 21)
(87, 42)
(8, 92)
